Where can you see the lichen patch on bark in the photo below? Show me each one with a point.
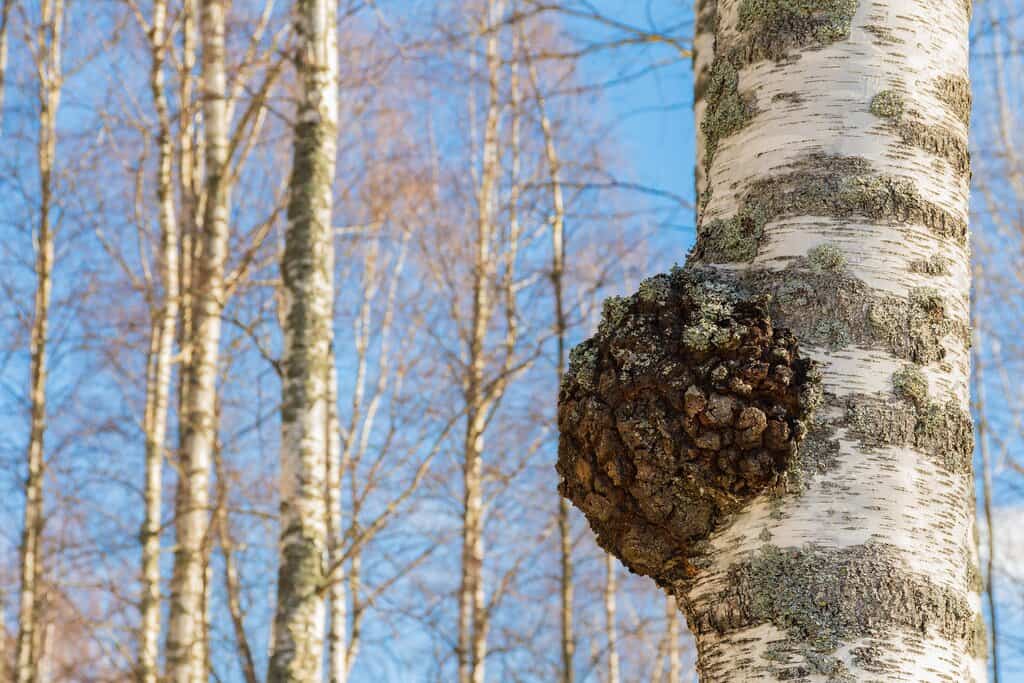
(943, 431)
(820, 185)
(823, 597)
(955, 93)
(728, 110)
(824, 304)
(774, 29)
(686, 405)
(938, 140)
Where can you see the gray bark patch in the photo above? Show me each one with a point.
(823, 597)
(938, 140)
(820, 185)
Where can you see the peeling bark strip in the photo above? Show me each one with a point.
(850, 559)
(307, 268)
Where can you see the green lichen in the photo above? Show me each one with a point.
(833, 309)
(979, 638)
(823, 598)
(792, 97)
(732, 239)
(883, 35)
(826, 258)
(653, 289)
(582, 365)
(955, 92)
(910, 383)
(820, 185)
(938, 140)
(727, 109)
(943, 431)
(914, 328)
(887, 104)
(975, 582)
(773, 29)
(935, 264)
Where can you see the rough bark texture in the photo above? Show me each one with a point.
(48, 62)
(186, 633)
(684, 407)
(158, 380)
(837, 183)
(307, 268)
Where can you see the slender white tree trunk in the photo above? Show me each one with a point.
(610, 628)
(705, 14)
(337, 600)
(472, 630)
(47, 50)
(5, 15)
(186, 633)
(672, 637)
(158, 380)
(837, 182)
(307, 272)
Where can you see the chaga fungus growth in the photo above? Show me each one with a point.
(685, 406)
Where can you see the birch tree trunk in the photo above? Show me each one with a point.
(5, 15)
(158, 380)
(610, 630)
(47, 53)
(186, 633)
(558, 252)
(307, 273)
(472, 640)
(337, 600)
(813, 521)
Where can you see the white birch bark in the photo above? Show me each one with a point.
(610, 628)
(837, 182)
(186, 633)
(307, 272)
(47, 51)
(337, 599)
(472, 641)
(898, 511)
(705, 14)
(158, 380)
(5, 15)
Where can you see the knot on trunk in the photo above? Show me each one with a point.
(685, 406)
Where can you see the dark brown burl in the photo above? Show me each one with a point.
(684, 406)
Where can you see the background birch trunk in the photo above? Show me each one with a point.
(610, 629)
(337, 599)
(46, 49)
(5, 15)
(472, 644)
(186, 634)
(835, 139)
(164, 307)
(705, 17)
(307, 273)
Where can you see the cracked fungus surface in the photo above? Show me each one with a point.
(685, 405)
